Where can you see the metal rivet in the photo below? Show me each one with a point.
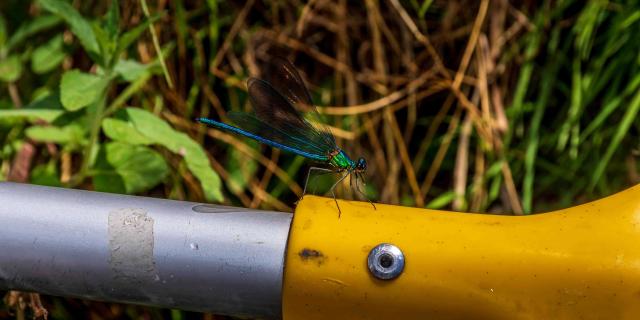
(385, 261)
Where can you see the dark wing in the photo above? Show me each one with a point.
(273, 109)
(284, 77)
(286, 80)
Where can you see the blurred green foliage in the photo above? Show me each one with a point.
(78, 108)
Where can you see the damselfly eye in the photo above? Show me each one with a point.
(362, 164)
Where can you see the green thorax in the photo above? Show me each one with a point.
(342, 161)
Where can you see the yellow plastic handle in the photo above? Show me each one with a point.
(581, 262)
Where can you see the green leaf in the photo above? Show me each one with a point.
(31, 27)
(45, 175)
(79, 89)
(120, 130)
(108, 34)
(72, 134)
(442, 200)
(134, 168)
(621, 131)
(46, 100)
(113, 20)
(422, 10)
(48, 56)
(44, 114)
(155, 128)
(46, 108)
(109, 181)
(10, 68)
(131, 70)
(48, 134)
(3, 31)
(196, 159)
(106, 45)
(198, 163)
(80, 27)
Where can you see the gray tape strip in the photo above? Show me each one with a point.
(131, 246)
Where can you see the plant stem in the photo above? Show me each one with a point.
(88, 151)
(156, 44)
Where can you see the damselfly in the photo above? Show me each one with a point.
(285, 118)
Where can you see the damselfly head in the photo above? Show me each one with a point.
(361, 165)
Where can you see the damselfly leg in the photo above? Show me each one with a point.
(360, 176)
(333, 187)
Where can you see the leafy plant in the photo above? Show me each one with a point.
(74, 113)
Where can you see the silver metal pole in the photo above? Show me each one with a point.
(110, 247)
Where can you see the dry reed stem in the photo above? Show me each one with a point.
(471, 44)
(305, 16)
(253, 187)
(511, 189)
(473, 111)
(268, 198)
(266, 177)
(461, 168)
(65, 167)
(256, 155)
(298, 45)
(501, 123)
(442, 151)
(478, 191)
(224, 175)
(406, 18)
(406, 161)
(376, 118)
(379, 103)
(235, 28)
(431, 132)
(14, 94)
(374, 20)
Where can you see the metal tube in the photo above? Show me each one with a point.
(166, 253)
